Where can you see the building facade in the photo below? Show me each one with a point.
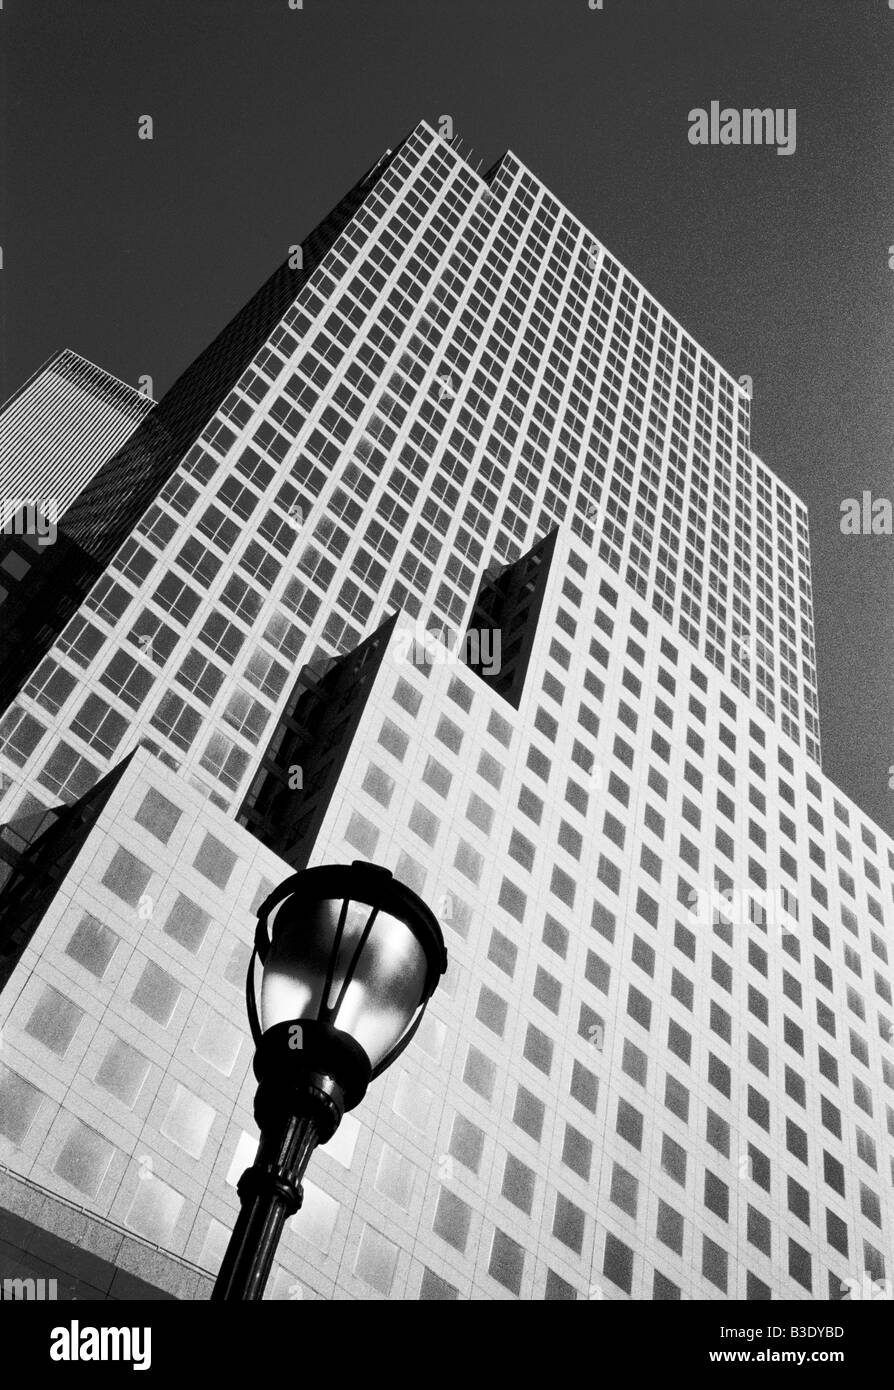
(58, 430)
(471, 571)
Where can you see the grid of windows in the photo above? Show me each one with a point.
(654, 909)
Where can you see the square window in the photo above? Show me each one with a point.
(434, 1288)
(490, 770)
(577, 1152)
(378, 785)
(481, 815)
(634, 1062)
(512, 900)
(630, 1124)
(669, 1229)
(717, 1133)
(547, 990)
(219, 1043)
(799, 1265)
(92, 945)
(624, 1189)
(529, 1113)
(518, 1184)
(84, 1159)
(54, 1020)
(715, 1263)
(424, 823)
(716, 1196)
(395, 1176)
(500, 729)
(584, 1086)
(435, 776)
(126, 877)
(449, 734)
(468, 861)
(376, 1260)
(154, 1211)
(407, 697)
(676, 1098)
(758, 1230)
(413, 1102)
(503, 952)
(555, 936)
(452, 1219)
(507, 1262)
(394, 740)
(480, 1073)
(214, 861)
(362, 835)
(568, 1224)
(538, 1049)
(188, 1122)
(158, 815)
(491, 1010)
(617, 1264)
(19, 1104)
(558, 1290)
(673, 1159)
(187, 923)
(122, 1072)
(156, 993)
(466, 1143)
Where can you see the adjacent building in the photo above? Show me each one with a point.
(58, 430)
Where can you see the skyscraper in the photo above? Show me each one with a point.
(469, 570)
(58, 430)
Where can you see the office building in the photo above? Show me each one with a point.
(470, 571)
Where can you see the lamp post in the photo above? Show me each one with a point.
(350, 959)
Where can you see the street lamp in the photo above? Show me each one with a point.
(350, 959)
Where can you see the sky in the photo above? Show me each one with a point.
(136, 252)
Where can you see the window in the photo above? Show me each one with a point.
(54, 1020)
(624, 1190)
(673, 1159)
(68, 774)
(176, 597)
(714, 1263)
(538, 1049)
(617, 1264)
(158, 815)
(629, 1124)
(518, 1183)
(51, 686)
(177, 720)
(529, 1113)
(491, 1010)
(199, 675)
(224, 760)
(451, 1219)
(568, 1223)
(265, 674)
(466, 1143)
(92, 945)
(669, 1227)
(20, 733)
(127, 678)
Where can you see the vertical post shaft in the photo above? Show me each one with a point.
(270, 1192)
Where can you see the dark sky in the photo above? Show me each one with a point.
(135, 253)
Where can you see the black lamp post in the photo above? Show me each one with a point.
(350, 962)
